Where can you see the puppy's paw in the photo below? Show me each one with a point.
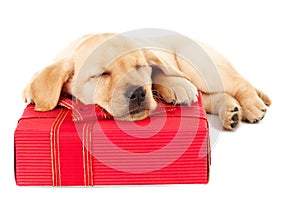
(230, 114)
(254, 110)
(185, 93)
(177, 91)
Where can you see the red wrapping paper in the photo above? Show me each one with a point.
(81, 145)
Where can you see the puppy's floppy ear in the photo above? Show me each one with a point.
(164, 61)
(45, 88)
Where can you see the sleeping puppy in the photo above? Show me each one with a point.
(122, 82)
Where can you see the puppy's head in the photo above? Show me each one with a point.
(123, 88)
(122, 85)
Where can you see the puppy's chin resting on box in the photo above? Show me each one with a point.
(134, 116)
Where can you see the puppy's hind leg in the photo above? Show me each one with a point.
(264, 97)
(224, 105)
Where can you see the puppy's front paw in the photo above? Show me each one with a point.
(177, 90)
(185, 93)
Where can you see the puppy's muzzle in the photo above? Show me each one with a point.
(136, 96)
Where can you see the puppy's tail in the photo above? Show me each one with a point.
(264, 97)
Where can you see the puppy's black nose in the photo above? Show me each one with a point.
(136, 95)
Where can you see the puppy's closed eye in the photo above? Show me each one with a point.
(105, 74)
(102, 75)
(139, 66)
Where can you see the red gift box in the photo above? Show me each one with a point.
(80, 145)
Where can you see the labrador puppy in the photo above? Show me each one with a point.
(99, 69)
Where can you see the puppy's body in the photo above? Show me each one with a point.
(121, 81)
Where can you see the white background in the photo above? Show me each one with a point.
(261, 38)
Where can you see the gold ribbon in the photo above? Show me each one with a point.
(87, 155)
(54, 144)
(86, 144)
